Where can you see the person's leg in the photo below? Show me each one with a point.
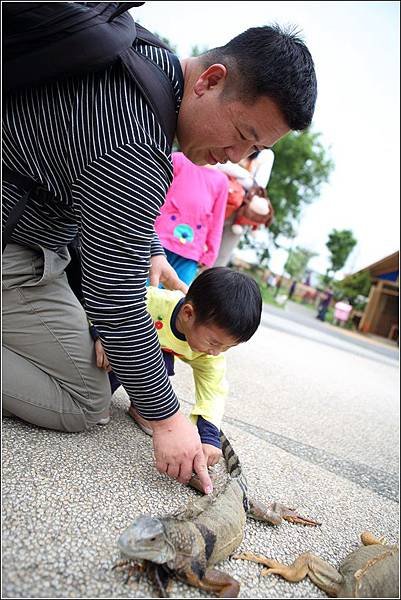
(229, 241)
(50, 377)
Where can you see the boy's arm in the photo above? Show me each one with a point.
(211, 442)
(211, 391)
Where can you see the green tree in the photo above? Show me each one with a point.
(355, 288)
(340, 244)
(301, 166)
(297, 261)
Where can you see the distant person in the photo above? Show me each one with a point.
(271, 280)
(221, 309)
(292, 289)
(342, 311)
(324, 305)
(191, 219)
(279, 281)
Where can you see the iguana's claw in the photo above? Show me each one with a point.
(293, 517)
(120, 563)
(134, 569)
(268, 562)
(275, 512)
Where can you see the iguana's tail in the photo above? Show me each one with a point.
(234, 467)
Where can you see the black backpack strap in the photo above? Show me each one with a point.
(146, 36)
(156, 88)
(123, 6)
(153, 82)
(31, 189)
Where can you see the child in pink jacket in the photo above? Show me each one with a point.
(191, 220)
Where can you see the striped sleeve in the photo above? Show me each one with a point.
(120, 195)
(156, 248)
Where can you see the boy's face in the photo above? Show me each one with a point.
(209, 338)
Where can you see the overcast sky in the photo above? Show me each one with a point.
(355, 46)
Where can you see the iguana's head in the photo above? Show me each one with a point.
(146, 539)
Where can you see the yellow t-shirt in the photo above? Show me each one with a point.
(211, 388)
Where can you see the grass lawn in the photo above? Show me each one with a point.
(268, 295)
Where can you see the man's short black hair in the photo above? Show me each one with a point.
(270, 61)
(228, 299)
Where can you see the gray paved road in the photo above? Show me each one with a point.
(301, 320)
(315, 420)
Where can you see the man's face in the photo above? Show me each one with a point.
(214, 129)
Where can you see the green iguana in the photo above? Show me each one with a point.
(188, 544)
(371, 571)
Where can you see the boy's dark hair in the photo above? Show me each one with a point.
(270, 61)
(228, 299)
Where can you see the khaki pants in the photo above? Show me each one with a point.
(50, 377)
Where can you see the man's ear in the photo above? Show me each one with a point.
(214, 75)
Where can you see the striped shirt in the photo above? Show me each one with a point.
(95, 142)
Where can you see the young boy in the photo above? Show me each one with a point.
(221, 309)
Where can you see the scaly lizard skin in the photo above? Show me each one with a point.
(371, 571)
(190, 543)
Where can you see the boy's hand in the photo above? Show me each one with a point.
(101, 357)
(212, 454)
(178, 450)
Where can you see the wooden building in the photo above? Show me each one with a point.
(381, 315)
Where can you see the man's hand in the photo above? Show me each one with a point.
(101, 357)
(212, 454)
(162, 272)
(178, 450)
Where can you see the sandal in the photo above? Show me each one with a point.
(140, 421)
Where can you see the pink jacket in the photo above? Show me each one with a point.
(192, 217)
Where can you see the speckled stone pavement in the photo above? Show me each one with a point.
(316, 426)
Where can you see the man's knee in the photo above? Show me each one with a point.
(65, 405)
(96, 408)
